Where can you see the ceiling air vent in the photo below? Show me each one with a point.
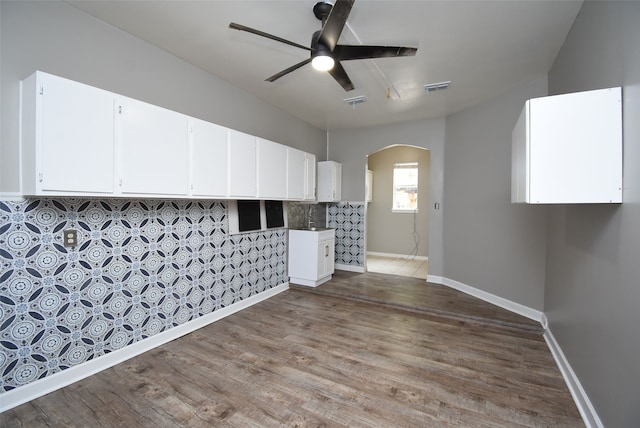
(355, 100)
(432, 87)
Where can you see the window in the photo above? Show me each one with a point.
(405, 187)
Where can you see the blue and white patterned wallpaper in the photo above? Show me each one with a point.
(141, 267)
(347, 218)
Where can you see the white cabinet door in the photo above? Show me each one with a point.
(309, 177)
(209, 163)
(272, 170)
(329, 181)
(296, 174)
(311, 256)
(242, 165)
(68, 137)
(153, 145)
(326, 251)
(567, 149)
(369, 186)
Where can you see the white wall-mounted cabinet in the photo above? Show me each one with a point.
(311, 256)
(369, 186)
(329, 181)
(67, 137)
(567, 149)
(296, 174)
(242, 165)
(301, 175)
(309, 177)
(78, 140)
(209, 159)
(272, 170)
(153, 147)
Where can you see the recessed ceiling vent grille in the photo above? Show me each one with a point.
(432, 87)
(355, 100)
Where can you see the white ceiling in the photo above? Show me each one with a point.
(483, 47)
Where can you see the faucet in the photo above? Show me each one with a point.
(310, 222)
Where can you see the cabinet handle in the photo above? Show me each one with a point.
(326, 251)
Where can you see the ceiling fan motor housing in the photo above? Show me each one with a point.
(321, 10)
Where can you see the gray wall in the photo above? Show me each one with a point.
(490, 243)
(389, 232)
(351, 147)
(592, 295)
(57, 38)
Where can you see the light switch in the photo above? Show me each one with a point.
(70, 238)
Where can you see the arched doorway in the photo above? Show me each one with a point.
(397, 214)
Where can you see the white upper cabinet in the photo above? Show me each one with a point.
(209, 153)
(67, 137)
(272, 170)
(242, 166)
(301, 175)
(567, 149)
(368, 185)
(329, 181)
(153, 147)
(77, 140)
(295, 174)
(309, 177)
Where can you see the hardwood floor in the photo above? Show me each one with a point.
(416, 295)
(313, 357)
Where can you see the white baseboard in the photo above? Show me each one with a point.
(435, 279)
(397, 256)
(33, 390)
(349, 268)
(586, 409)
(517, 308)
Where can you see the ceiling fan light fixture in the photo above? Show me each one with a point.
(322, 62)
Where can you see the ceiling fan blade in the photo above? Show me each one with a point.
(348, 52)
(267, 35)
(288, 70)
(335, 23)
(341, 76)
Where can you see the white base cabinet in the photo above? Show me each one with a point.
(567, 149)
(311, 256)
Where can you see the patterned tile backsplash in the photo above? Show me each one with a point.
(299, 214)
(347, 218)
(140, 267)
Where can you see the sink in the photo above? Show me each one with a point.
(312, 229)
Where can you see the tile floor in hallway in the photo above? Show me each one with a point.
(397, 265)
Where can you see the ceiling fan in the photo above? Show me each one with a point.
(326, 53)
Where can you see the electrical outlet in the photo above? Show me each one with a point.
(70, 238)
